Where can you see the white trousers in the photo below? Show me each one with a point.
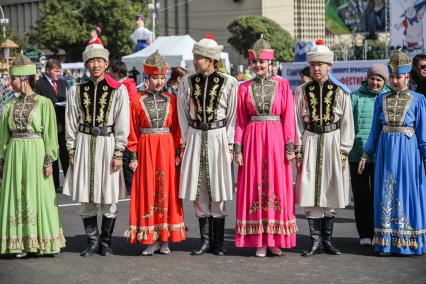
(319, 212)
(204, 207)
(90, 209)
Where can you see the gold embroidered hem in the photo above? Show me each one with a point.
(31, 243)
(397, 238)
(256, 227)
(397, 242)
(142, 233)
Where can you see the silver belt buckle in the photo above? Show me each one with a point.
(95, 131)
(204, 126)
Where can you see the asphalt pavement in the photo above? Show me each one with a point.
(355, 265)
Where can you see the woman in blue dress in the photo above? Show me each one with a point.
(398, 141)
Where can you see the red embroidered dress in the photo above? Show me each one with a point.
(156, 212)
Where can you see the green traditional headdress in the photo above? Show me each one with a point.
(399, 63)
(22, 66)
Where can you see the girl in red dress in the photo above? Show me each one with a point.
(156, 213)
(95, 36)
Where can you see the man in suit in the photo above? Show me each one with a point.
(50, 86)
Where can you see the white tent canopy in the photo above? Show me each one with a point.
(176, 50)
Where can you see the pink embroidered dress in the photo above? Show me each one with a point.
(265, 131)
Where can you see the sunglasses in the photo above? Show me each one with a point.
(423, 67)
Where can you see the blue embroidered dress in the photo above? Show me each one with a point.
(398, 138)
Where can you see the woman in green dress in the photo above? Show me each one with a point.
(29, 216)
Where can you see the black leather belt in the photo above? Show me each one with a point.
(96, 131)
(320, 129)
(208, 125)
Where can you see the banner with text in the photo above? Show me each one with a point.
(350, 73)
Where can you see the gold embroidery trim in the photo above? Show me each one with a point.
(395, 107)
(327, 100)
(392, 212)
(160, 196)
(213, 94)
(71, 153)
(118, 154)
(318, 169)
(266, 197)
(255, 227)
(48, 160)
(86, 104)
(141, 232)
(33, 242)
(103, 102)
(313, 102)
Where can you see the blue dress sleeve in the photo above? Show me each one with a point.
(376, 128)
(420, 126)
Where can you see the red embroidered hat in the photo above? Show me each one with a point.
(155, 65)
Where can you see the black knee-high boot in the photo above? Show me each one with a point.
(106, 235)
(92, 234)
(204, 236)
(219, 232)
(315, 229)
(327, 233)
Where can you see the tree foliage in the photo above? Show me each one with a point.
(66, 24)
(246, 30)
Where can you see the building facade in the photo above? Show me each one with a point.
(22, 14)
(309, 19)
(303, 19)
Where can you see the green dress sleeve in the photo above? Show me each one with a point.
(50, 134)
(4, 131)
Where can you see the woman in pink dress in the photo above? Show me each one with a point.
(264, 148)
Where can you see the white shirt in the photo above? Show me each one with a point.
(50, 80)
(141, 33)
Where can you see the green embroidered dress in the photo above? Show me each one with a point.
(29, 216)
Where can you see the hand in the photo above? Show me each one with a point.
(116, 164)
(239, 160)
(289, 157)
(344, 164)
(361, 166)
(299, 165)
(181, 153)
(178, 160)
(133, 165)
(47, 171)
(71, 161)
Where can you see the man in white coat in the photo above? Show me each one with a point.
(97, 127)
(325, 135)
(207, 102)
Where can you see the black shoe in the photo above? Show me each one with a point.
(105, 239)
(315, 228)
(219, 231)
(204, 234)
(58, 190)
(327, 233)
(92, 234)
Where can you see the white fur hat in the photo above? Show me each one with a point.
(95, 51)
(320, 53)
(208, 47)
